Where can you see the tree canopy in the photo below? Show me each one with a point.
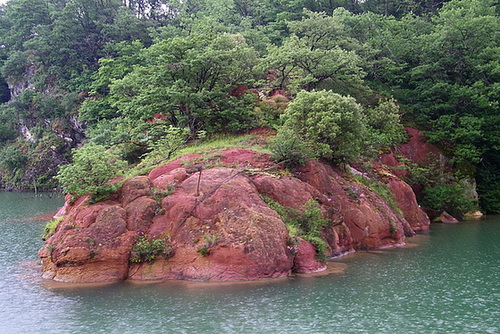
(130, 73)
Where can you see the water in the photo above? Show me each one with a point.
(444, 282)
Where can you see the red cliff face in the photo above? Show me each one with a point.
(219, 227)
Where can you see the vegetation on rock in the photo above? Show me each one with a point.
(50, 228)
(145, 250)
(306, 224)
(91, 172)
(142, 76)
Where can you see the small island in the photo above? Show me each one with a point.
(234, 214)
(237, 140)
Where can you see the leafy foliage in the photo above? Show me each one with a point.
(384, 125)
(188, 80)
(103, 70)
(209, 241)
(449, 198)
(317, 52)
(290, 150)
(306, 224)
(92, 168)
(488, 179)
(441, 190)
(50, 228)
(329, 121)
(145, 250)
(339, 128)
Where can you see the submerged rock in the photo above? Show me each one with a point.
(213, 223)
(446, 218)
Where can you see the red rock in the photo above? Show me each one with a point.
(251, 238)
(177, 163)
(446, 218)
(305, 260)
(134, 188)
(398, 168)
(418, 150)
(109, 224)
(218, 225)
(140, 213)
(407, 202)
(239, 91)
(65, 208)
(171, 178)
(96, 263)
(246, 158)
(366, 217)
(287, 191)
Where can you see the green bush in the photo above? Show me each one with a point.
(441, 191)
(209, 241)
(12, 159)
(92, 168)
(383, 125)
(331, 123)
(449, 198)
(306, 224)
(339, 128)
(144, 250)
(488, 184)
(290, 150)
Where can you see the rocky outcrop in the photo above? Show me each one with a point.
(446, 218)
(217, 225)
(416, 150)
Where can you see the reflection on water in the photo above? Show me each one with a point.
(444, 282)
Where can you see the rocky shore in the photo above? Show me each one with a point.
(208, 218)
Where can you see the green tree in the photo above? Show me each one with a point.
(384, 125)
(90, 172)
(457, 81)
(189, 80)
(20, 19)
(400, 8)
(13, 160)
(338, 127)
(318, 52)
(488, 181)
(331, 122)
(122, 57)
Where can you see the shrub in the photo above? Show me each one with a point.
(210, 241)
(441, 190)
(92, 168)
(488, 184)
(384, 127)
(331, 123)
(339, 128)
(12, 159)
(449, 198)
(144, 250)
(393, 227)
(290, 150)
(306, 224)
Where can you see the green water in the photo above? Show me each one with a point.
(444, 282)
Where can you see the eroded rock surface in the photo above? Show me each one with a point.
(217, 224)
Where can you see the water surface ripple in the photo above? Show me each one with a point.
(448, 282)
